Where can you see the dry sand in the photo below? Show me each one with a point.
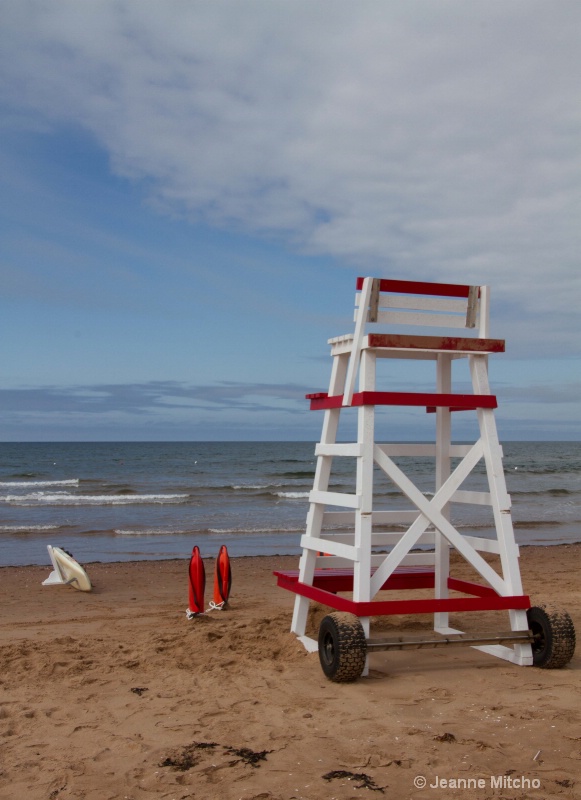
(115, 694)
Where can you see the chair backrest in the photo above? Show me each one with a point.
(442, 305)
(396, 302)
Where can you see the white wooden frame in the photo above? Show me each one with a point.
(429, 522)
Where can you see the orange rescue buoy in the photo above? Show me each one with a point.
(197, 576)
(222, 578)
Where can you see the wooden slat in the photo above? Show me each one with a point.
(394, 517)
(335, 499)
(486, 545)
(472, 307)
(424, 559)
(469, 587)
(335, 548)
(341, 579)
(419, 287)
(459, 450)
(421, 318)
(446, 343)
(468, 401)
(432, 409)
(353, 449)
(472, 498)
(378, 538)
(374, 301)
(320, 400)
(397, 449)
(419, 303)
(344, 338)
(389, 607)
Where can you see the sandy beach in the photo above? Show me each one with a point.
(115, 694)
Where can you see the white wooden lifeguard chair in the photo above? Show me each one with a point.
(351, 563)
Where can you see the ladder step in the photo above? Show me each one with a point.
(335, 499)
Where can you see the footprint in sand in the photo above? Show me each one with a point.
(437, 693)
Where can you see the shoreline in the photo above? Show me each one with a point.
(114, 693)
(173, 558)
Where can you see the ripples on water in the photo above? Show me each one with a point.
(117, 501)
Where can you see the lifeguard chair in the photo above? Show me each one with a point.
(341, 548)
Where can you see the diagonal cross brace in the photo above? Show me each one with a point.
(430, 512)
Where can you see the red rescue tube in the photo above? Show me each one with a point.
(197, 576)
(222, 577)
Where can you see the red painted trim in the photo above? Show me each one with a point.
(449, 343)
(391, 607)
(432, 409)
(341, 580)
(321, 401)
(468, 587)
(319, 396)
(421, 399)
(419, 287)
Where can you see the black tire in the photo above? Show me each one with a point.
(554, 633)
(342, 647)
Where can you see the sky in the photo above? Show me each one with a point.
(190, 189)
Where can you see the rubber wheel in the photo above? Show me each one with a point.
(342, 647)
(554, 634)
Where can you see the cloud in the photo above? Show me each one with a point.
(157, 410)
(140, 398)
(439, 141)
(560, 394)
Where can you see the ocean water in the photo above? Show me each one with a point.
(131, 501)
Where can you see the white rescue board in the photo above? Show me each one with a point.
(66, 571)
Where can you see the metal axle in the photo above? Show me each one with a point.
(414, 643)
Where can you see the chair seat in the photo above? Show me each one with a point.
(432, 344)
